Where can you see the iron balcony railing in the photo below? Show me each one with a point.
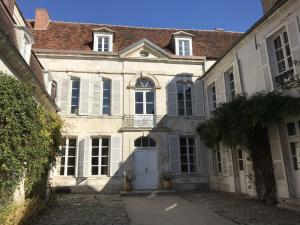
(144, 121)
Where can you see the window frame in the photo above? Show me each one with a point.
(231, 82)
(100, 156)
(66, 157)
(185, 85)
(213, 96)
(109, 97)
(188, 155)
(144, 91)
(97, 36)
(71, 95)
(293, 139)
(177, 46)
(280, 34)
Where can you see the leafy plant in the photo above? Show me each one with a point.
(30, 138)
(243, 122)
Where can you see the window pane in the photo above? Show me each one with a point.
(105, 151)
(152, 143)
(70, 171)
(62, 161)
(72, 151)
(105, 142)
(95, 142)
(192, 168)
(104, 161)
(139, 108)
(277, 43)
(138, 96)
(138, 142)
(72, 142)
(71, 161)
(184, 168)
(184, 159)
(95, 160)
(191, 150)
(183, 150)
(150, 108)
(95, 152)
(95, 170)
(62, 171)
(149, 97)
(182, 141)
(285, 37)
(145, 142)
(291, 129)
(63, 151)
(192, 159)
(104, 170)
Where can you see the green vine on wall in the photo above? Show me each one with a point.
(30, 138)
(243, 122)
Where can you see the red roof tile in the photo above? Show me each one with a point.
(79, 36)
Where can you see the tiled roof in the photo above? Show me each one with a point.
(78, 36)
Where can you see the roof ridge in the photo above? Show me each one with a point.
(141, 27)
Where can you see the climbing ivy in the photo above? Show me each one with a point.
(29, 135)
(243, 122)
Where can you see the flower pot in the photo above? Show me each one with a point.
(166, 184)
(127, 186)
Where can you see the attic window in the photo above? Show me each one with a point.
(144, 53)
(103, 42)
(183, 46)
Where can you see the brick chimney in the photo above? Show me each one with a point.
(10, 4)
(42, 19)
(268, 4)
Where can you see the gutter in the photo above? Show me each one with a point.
(248, 32)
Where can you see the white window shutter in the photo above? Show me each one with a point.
(172, 98)
(174, 154)
(87, 157)
(80, 155)
(266, 70)
(294, 38)
(97, 96)
(199, 97)
(115, 156)
(84, 96)
(64, 101)
(237, 77)
(116, 97)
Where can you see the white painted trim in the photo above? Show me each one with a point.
(97, 35)
(189, 39)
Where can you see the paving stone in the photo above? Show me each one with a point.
(242, 209)
(84, 209)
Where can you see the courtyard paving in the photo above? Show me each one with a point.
(188, 208)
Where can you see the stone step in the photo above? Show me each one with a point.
(136, 193)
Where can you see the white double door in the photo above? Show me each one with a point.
(145, 169)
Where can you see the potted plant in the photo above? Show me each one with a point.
(128, 178)
(166, 181)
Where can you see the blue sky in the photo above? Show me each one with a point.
(232, 15)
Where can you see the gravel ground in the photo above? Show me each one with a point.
(243, 210)
(84, 209)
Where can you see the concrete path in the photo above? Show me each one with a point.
(170, 210)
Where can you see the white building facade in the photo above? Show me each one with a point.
(130, 101)
(263, 60)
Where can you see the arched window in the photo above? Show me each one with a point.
(144, 97)
(144, 142)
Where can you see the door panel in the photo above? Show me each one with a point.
(145, 169)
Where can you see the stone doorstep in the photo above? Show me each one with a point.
(137, 193)
(290, 204)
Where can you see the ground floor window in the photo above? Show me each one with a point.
(100, 156)
(68, 157)
(295, 151)
(187, 154)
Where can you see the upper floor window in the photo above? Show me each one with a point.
(184, 46)
(229, 84)
(144, 97)
(75, 95)
(103, 42)
(212, 97)
(106, 96)
(53, 92)
(283, 55)
(184, 98)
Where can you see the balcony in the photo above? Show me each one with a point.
(144, 122)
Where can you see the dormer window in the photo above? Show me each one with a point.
(103, 40)
(25, 41)
(183, 43)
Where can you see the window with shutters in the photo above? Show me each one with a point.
(212, 98)
(187, 154)
(229, 84)
(284, 61)
(100, 156)
(106, 96)
(68, 156)
(293, 137)
(144, 97)
(184, 98)
(75, 88)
